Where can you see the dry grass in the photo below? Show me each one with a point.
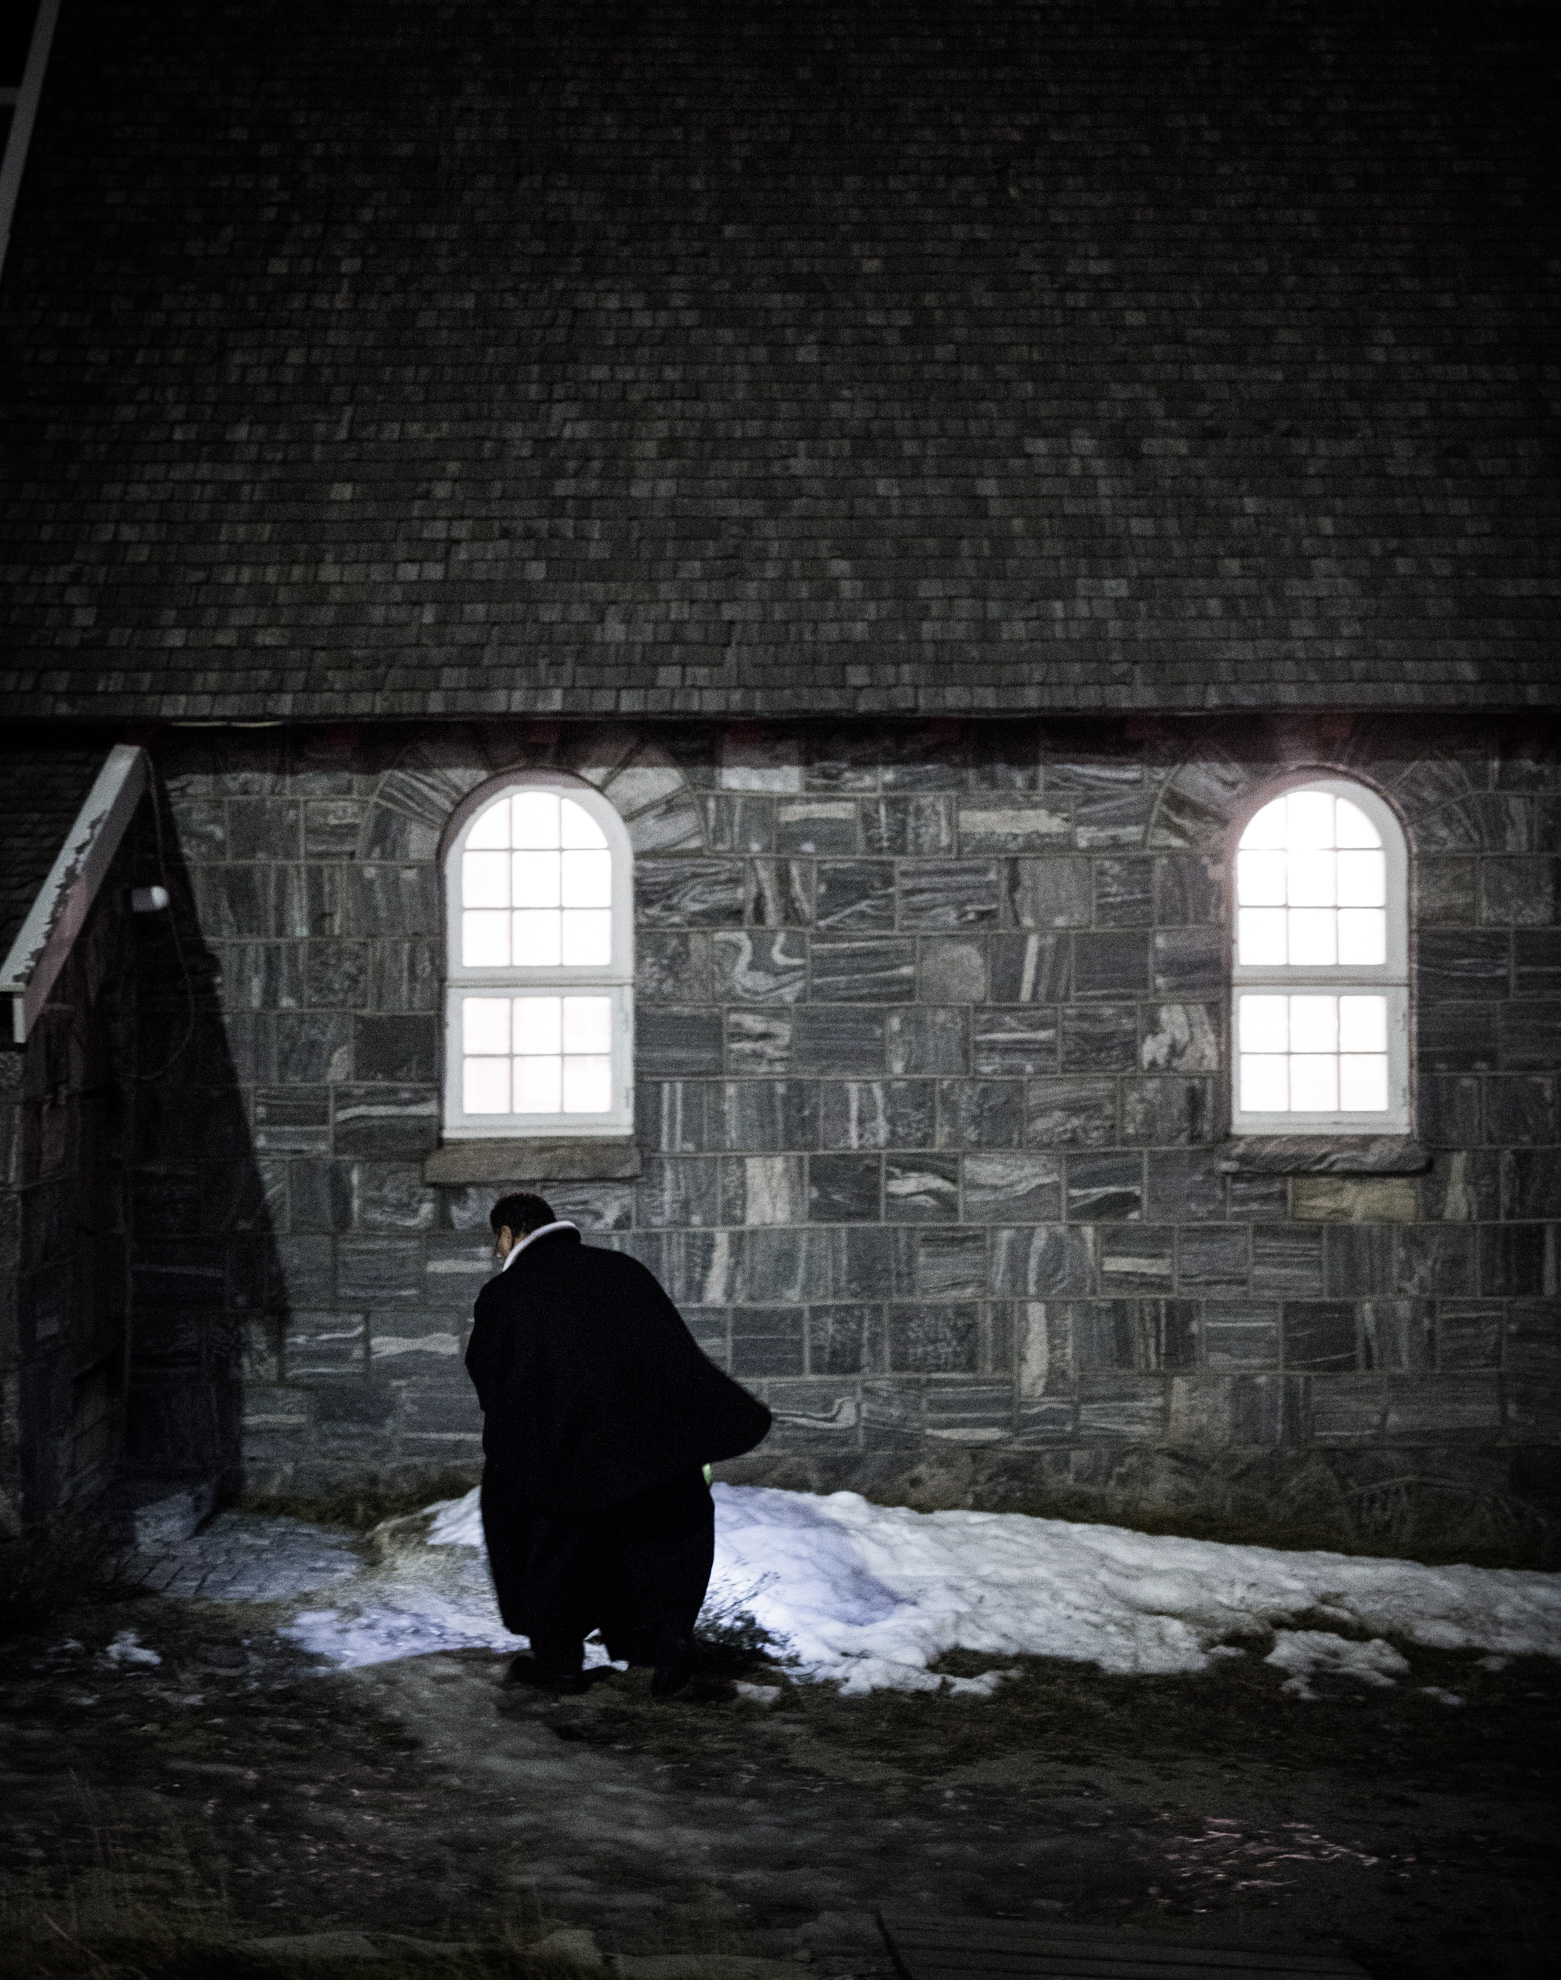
(364, 1504)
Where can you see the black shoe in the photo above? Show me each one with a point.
(525, 1670)
(674, 1667)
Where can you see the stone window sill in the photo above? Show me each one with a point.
(1323, 1155)
(584, 1160)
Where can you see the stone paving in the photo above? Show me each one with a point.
(244, 1557)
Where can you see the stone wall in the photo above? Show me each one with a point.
(931, 1051)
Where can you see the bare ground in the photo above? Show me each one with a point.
(158, 1817)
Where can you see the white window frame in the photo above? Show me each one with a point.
(614, 979)
(1389, 978)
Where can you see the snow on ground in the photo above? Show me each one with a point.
(870, 1596)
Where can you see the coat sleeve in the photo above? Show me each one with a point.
(485, 1355)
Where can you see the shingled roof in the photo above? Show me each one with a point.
(415, 359)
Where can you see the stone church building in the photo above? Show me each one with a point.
(907, 655)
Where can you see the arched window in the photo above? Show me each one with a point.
(539, 962)
(1321, 975)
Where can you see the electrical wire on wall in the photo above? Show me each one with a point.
(178, 942)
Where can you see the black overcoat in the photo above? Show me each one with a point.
(592, 1389)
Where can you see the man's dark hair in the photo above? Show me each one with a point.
(522, 1213)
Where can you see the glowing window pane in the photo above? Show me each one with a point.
(1261, 935)
(1312, 882)
(1264, 1024)
(535, 816)
(1363, 879)
(587, 1024)
(1314, 1024)
(1352, 827)
(1363, 1083)
(1265, 1083)
(485, 1086)
(1309, 819)
(485, 1024)
(587, 1085)
(1363, 935)
(1363, 1024)
(539, 1024)
(587, 937)
(536, 938)
(1260, 878)
(1268, 827)
(1313, 937)
(485, 880)
(578, 828)
(491, 827)
(587, 879)
(1314, 1083)
(539, 1086)
(535, 880)
(485, 940)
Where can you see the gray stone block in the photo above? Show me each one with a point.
(909, 826)
(1468, 1333)
(855, 894)
(396, 901)
(766, 1114)
(1530, 1037)
(1136, 1258)
(1519, 1261)
(1448, 1112)
(313, 1047)
(740, 821)
(764, 1189)
(759, 966)
(261, 976)
(1189, 962)
(1347, 1409)
(318, 1344)
(1104, 1188)
(758, 1041)
(380, 1271)
(1536, 959)
(1013, 1187)
(1462, 1187)
(928, 1040)
(679, 1192)
(1099, 1038)
(952, 970)
(980, 1113)
(442, 1412)
(1029, 969)
(950, 1263)
(778, 893)
(264, 901)
(595, 1206)
(1167, 1113)
(1287, 1262)
(392, 1196)
(395, 1050)
(1124, 892)
(1110, 963)
(689, 893)
(856, 1262)
(1320, 1335)
(772, 1268)
(814, 1416)
(1397, 1334)
(1070, 1113)
(839, 1041)
(1047, 894)
(846, 1340)
(1436, 1258)
(304, 1273)
(957, 1412)
(1181, 1038)
(1122, 1409)
(854, 971)
(1518, 892)
(891, 1415)
(1358, 1259)
(767, 1340)
(1239, 1334)
(1023, 1040)
(816, 825)
(405, 976)
(1011, 822)
(420, 1345)
(1213, 1258)
(1189, 891)
(948, 893)
(1046, 1260)
(711, 1327)
(1518, 1111)
(671, 1116)
(1530, 1183)
(1465, 1038)
(336, 974)
(921, 1188)
(1459, 965)
(673, 967)
(1257, 1199)
(844, 1188)
(384, 1121)
(1442, 1409)
(293, 1119)
(1271, 1409)
(319, 1196)
(671, 1044)
(927, 1339)
(331, 827)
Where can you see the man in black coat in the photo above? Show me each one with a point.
(599, 1415)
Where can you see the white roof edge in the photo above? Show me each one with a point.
(60, 909)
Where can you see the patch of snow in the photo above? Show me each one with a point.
(1442, 1697)
(870, 1597)
(1309, 1653)
(127, 1648)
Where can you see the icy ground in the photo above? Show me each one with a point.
(871, 1596)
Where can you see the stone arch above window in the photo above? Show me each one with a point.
(539, 961)
(1320, 963)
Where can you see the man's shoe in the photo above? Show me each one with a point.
(674, 1667)
(525, 1670)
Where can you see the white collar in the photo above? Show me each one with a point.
(543, 1230)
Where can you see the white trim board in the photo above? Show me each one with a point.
(25, 100)
(60, 909)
